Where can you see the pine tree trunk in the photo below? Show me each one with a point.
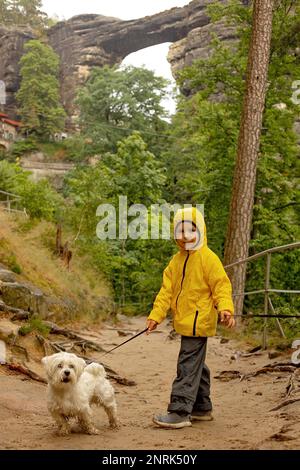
(242, 199)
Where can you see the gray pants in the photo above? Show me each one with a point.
(191, 388)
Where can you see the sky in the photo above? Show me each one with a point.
(154, 58)
(123, 9)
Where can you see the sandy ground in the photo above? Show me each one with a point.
(242, 419)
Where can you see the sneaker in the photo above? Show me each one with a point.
(201, 416)
(172, 420)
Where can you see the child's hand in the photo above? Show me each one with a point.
(152, 325)
(227, 319)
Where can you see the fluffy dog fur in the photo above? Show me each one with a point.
(73, 387)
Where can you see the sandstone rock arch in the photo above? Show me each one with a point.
(86, 41)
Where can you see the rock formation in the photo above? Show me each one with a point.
(196, 44)
(86, 41)
(12, 41)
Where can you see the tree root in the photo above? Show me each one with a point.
(25, 371)
(227, 375)
(18, 313)
(56, 330)
(285, 403)
(266, 369)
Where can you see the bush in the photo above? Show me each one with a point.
(22, 147)
(35, 324)
(40, 200)
(3, 154)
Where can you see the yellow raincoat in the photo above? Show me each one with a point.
(195, 286)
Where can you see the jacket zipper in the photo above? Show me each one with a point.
(183, 274)
(195, 323)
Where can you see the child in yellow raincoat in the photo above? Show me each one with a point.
(196, 289)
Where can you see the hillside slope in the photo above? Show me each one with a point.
(29, 253)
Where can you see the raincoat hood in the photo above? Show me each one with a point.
(193, 215)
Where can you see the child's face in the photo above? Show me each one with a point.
(185, 234)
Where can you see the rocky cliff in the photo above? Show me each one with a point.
(86, 41)
(11, 49)
(196, 44)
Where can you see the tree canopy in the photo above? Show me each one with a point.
(39, 98)
(23, 13)
(117, 101)
(207, 123)
(188, 160)
(206, 127)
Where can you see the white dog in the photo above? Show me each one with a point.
(73, 387)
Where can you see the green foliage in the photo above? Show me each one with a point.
(134, 267)
(39, 199)
(21, 147)
(201, 160)
(11, 177)
(22, 13)
(40, 108)
(68, 150)
(85, 189)
(71, 149)
(189, 161)
(137, 173)
(8, 257)
(291, 327)
(35, 324)
(117, 101)
(15, 267)
(207, 128)
(3, 153)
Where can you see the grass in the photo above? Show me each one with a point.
(35, 324)
(27, 248)
(68, 150)
(251, 335)
(8, 257)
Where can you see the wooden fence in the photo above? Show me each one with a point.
(268, 305)
(8, 200)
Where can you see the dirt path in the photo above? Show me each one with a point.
(241, 409)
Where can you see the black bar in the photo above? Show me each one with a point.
(140, 458)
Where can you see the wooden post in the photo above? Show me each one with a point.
(277, 320)
(266, 309)
(62, 250)
(123, 289)
(58, 239)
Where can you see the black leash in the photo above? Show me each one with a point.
(266, 316)
(127, 341)
(238, 315)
